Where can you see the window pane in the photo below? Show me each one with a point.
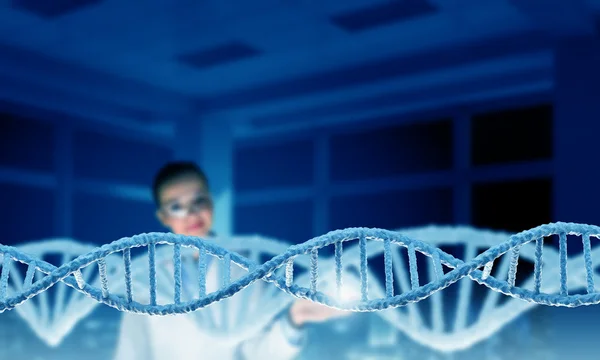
(27, 213)
(102, 157)
(103, 220)
(280, 165)
(512, 135)
(26, 143)
(392, 210)
(512, 206)
(392, 151)
(286, 221)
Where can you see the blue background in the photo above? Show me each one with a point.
(307, 117)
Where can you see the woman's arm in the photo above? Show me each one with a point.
(281, 340)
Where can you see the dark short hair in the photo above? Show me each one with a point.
(173, 170)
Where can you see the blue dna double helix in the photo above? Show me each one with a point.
(478, 269)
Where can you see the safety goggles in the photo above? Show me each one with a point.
(187, 205)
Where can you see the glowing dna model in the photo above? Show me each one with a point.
(486, 314)
(50, 321)
(279, 271)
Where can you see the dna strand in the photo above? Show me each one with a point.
(50, 322)
(256, 307)
(229, 319)
(71, 273)
(457, 335)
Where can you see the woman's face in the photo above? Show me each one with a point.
(186, 207)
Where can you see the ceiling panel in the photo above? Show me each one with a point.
(379, 14)
(53, 8)
(220, 54)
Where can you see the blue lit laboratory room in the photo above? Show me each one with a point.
(299, 179)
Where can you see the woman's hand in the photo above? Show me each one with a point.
(305, 311)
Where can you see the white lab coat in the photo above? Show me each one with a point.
(179, 337)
